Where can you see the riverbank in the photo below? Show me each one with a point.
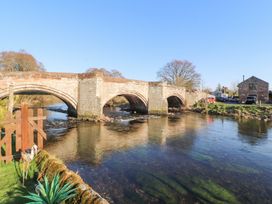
(50, 166)
(263, 112)
(12, 190)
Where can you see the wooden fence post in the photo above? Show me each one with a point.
(11, 99)
(24, 127)
(18, 131)
(40, 126)
(30, 129)
(8, 143)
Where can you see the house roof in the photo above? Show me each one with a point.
(252, 78)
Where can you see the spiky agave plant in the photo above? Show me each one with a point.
(51, 193)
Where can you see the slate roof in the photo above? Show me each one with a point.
(253, 77)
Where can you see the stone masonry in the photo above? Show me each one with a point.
(86, 94)
(254, 86)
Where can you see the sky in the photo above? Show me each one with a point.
(224, 39)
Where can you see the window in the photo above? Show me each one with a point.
(252, 86)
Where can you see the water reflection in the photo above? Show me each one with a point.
(252, 131)
(53, 115)
(189, 159)
(92, 142)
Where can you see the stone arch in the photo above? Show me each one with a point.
(136, 100)
(175, 102)
(35, 88)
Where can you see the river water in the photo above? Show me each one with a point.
(191, 159)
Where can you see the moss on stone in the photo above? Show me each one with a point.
(50, 166)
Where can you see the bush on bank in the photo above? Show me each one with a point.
(43, 165)
(258, 112)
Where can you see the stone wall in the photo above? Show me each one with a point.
(63, 86)
(157, 104)
(87, 93)
(89, 98)
(193, 96)
(254, 87)
(50, 166)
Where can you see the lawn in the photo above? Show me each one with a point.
(242, 104)
(11, 189)
(258, 112)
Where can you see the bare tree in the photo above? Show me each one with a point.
(116, 73)
(180, 73)
(19, 61)
(219, 87)
(112, 73)
(207, 90)
(234, 88)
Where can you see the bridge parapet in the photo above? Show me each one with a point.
(34, 75)
(87, 93)
(195, 96)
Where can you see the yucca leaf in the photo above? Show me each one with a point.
(62, 193)
(46, 185)
(56, 192)
(52, 193)
(43, 192)
(66, 187)
(67, 193)
(68, 197)
(34, 197)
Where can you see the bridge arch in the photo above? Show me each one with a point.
(175, 102)
(137, 101)
(35, 88)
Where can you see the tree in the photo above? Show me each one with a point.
(219, 87)
(234, 88)
(207, 90)
(22, 61)
(115, 73)
(112, 73)
(180, 73)
(19, 61)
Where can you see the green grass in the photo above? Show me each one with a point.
(263, 112)
(3, 108)
(11, 189)
(241, 104)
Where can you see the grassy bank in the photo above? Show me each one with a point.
(263, 112)
(11, 188)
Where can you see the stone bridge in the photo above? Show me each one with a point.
(86, 94)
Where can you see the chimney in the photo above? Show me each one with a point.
(243, 77)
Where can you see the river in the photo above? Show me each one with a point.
(190, 159)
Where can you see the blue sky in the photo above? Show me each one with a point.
(224, 39)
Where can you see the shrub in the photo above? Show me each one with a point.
(52, 193)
